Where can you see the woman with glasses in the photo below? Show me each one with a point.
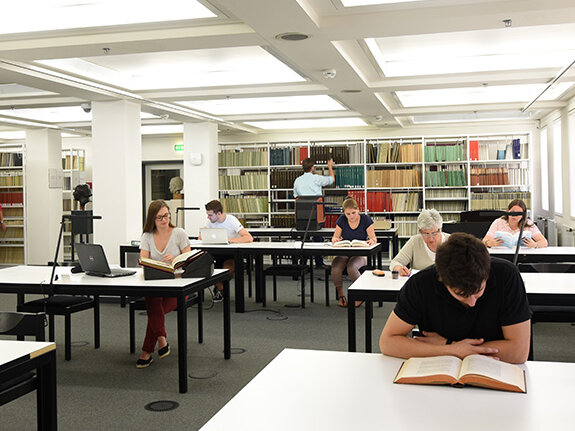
(162, 241)
(419, 251)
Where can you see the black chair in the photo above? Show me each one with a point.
(63, 305)
(328, 275)
(476, 228)
(21, 325)
(294, 270)
(140, 304)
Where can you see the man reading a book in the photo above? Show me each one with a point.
(236, 233)
(467, 303)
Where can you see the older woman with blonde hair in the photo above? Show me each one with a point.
(419, 251)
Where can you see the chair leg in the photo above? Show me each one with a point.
(96, 322)
(249, 269)
(310, 279)
(132, 313)
(68, 337)
(302, 290)
(275, 288)
(263, 292)
(200, 320)
(51, 331)
(327, 288)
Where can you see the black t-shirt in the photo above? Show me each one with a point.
(426, 302)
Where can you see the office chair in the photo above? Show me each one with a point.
(293, 270)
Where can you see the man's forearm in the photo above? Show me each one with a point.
(401, 346)
(510, 351)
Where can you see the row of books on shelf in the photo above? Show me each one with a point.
(284, 178)
(390, 202)
(340, 154)
(498, 176)
(13, 233)
(443, 153)
(11, 254)
(448, 205)
(497, 150)
(408, 177)
(406, 225)
(393, 152)
(349, 176)
(73, 162)
(251, 157)
(245, 204)
(445, 177)
(288, 155)
(8, 199)
(446, 193)
(10, 159)
(11, 178)
(247, 181)
(497, 201)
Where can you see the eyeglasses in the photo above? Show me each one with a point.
(428, 234)
(163, 217)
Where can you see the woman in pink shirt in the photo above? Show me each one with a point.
(511, 224)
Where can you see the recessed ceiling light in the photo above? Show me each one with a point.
(292, 36)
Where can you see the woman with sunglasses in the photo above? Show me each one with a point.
(162, 241)
(419, 251)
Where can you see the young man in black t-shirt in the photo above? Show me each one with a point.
(467, 303)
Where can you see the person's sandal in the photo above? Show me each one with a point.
(342, 301)
(143, 363)
(164, 351)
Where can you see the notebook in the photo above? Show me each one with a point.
(214, 236)
(93, 261)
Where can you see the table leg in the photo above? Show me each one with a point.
(46, 397)
(227, 322)
(239, 282)
(259, 275)
(368, 314)
(351, 324)
(183, 344)
(395, 245)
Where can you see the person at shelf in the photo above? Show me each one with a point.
(349, 226)
(419, 251)
(2, 222)
(311, 184)
(466, 303)
(236, 233)
(162, 241)
(511, 225)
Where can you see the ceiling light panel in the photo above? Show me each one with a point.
(42, 15)
(162, 129)
(308, 124)
(475, 51)
(62, 114)
(352, 3)
(16, 90)
(477, 95)
(265, 105)
(245, 65)
(471, 117)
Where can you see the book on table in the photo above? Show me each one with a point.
(180, 261)
(353, 243)
(474, 370)
(510, 240)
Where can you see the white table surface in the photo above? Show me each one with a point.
(276, 245)
(11, 350)
(337, 391)
(545, 251)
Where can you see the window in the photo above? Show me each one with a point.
(544, 170)
(572, 162)
(557, 172)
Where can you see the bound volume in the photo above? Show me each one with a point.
(354, 243)
(195, 263)
(474, 370)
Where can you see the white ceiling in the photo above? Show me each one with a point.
(374, 66)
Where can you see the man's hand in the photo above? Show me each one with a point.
(330, 163)
(472, 346)
(402, 270)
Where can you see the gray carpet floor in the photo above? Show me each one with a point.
(102, 389)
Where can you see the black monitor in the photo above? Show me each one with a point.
(309, 208)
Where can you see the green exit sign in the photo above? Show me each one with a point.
(179, 147)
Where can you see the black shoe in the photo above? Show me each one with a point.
(164, 351)
(143, 363)
(321, 266)
(217, 295)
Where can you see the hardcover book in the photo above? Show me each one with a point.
(354, 243)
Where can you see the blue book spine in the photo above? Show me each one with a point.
(516, 149)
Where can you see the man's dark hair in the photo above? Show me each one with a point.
(307, 164)
(215, 206)
(463, 263)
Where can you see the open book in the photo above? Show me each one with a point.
(510, 240)
(348, 243)
(179, 261)
(475, 370)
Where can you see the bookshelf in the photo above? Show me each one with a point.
(391, 178)
(73, 173)
(12, 241)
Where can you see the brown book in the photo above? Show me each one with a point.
(474, 370)
(179, 261)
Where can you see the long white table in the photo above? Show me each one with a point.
(341, 391)
(20, 357)
(535, 255)
(35, 279)
(541, 288)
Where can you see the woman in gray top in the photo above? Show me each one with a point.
(161, 241)
(419, 251)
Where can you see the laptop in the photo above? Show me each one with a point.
(214, 236)
(93, 261)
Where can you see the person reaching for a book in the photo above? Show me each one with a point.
(511, 225)
(349, 226)
(162, 241)
(419, 252)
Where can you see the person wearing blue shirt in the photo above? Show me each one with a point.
(349, 226)
(310, 184)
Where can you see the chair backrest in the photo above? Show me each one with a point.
(23, 324)
(477, 228)
(547, 267)
(480, 215)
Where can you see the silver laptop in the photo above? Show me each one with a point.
(214, 236)
(93, 261)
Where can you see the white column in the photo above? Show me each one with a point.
(200, 180)
(116, 175)
(43, 204)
